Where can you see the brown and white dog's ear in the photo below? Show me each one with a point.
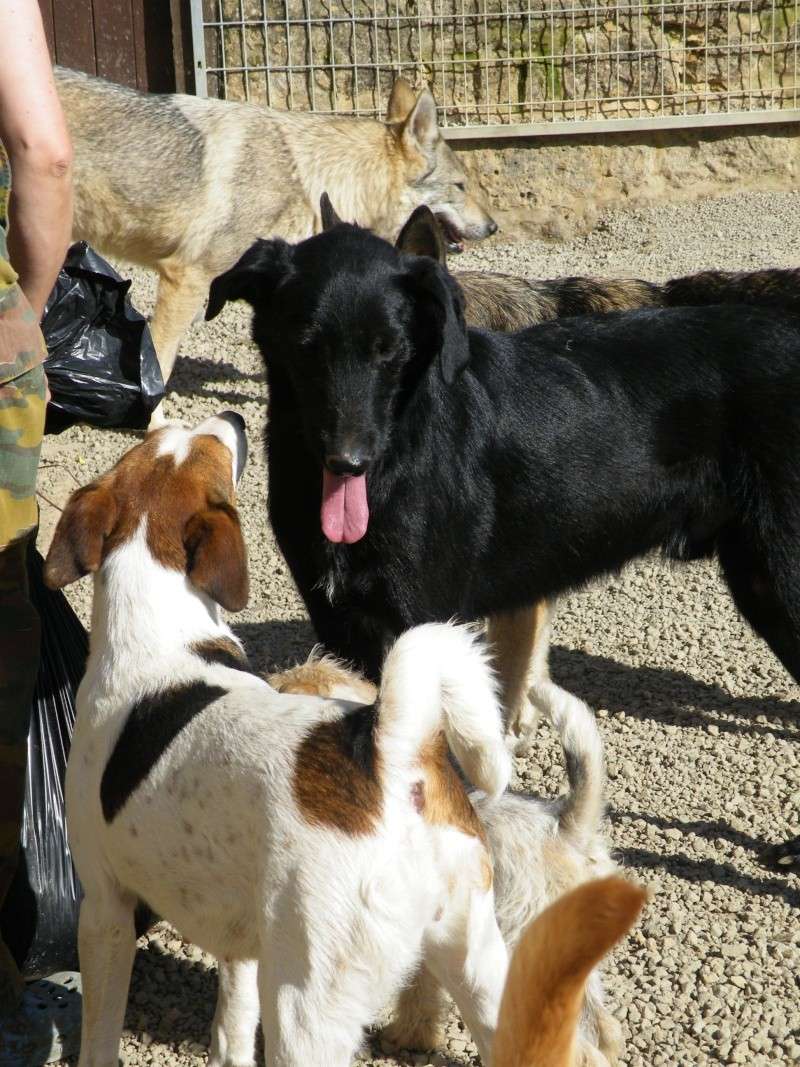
(77, 545)
(253, 278)
(422, 236)
(216, 558)
(401, 101)
(327, 213)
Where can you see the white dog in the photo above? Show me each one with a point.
(322, 845)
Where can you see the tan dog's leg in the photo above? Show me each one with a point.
(521, 642)
(602, 1042)
(106, 944)
(181, 291)
(420, 1015)
(233, 1032)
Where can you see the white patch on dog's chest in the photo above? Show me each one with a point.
(333, 581)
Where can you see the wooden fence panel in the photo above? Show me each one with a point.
(74, 34)
(132, 42)
(115, 49)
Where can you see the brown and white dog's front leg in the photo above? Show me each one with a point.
(233, 1032)
(106, 944)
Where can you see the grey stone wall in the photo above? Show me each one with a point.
(558, 186)
(500, 61)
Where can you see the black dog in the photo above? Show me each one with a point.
(419, 471)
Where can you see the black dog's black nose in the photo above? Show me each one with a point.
(492, 228)
(347, 463)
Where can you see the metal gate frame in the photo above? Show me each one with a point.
(555, 128)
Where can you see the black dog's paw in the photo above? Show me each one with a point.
(784, 857)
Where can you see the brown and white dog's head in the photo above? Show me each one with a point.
(433, 174)
(179, 486)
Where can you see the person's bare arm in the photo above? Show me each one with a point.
(35, 136)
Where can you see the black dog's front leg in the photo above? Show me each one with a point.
(348, 633)
(359, 641)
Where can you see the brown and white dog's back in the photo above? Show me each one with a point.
(318, 842)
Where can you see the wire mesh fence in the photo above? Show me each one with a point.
(493, 63)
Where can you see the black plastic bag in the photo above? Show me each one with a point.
(39, 919)
(101, 364)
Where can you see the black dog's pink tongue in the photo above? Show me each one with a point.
(344, 513)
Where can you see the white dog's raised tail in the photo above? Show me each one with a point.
(438, 677)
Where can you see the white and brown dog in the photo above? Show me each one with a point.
(540, 849)
(316, 847)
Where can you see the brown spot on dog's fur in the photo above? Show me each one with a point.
(336, 780)
(221, 651)
(440, 797)
(445, 800)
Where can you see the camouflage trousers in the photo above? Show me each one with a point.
(22, 409)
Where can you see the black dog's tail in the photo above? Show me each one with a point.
(778, 289)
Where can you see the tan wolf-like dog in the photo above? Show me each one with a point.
(184, 185)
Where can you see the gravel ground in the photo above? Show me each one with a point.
(700, 722)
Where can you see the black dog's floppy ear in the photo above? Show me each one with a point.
(443, 304)
(257, 274)
(327, 214)
(422, 236)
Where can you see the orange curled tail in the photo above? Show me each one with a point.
(556, 954)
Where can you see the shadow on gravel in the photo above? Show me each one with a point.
(276, 643)
(172, 1001)
(707, 870)
(189, 366)
(172, 998)
(711, 831)
(199, 376)
(666, 695)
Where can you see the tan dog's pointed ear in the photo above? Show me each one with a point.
(422, 236)
(421, 128)
(216, 559)
(77, 545)
(401, 101)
